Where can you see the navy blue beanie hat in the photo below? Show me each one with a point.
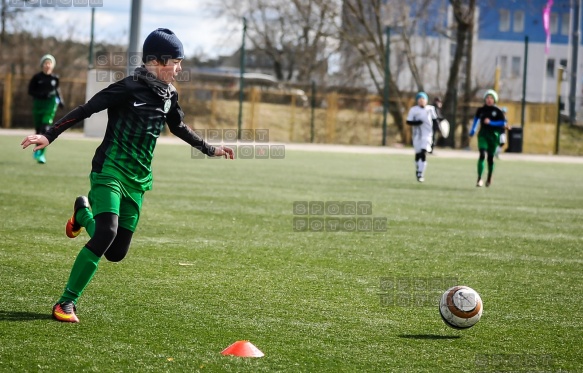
(162, 44)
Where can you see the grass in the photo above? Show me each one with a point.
(215, 259)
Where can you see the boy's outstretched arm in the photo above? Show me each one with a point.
(497, 123)
(186, 134)
(182, 131)
(102, 100)
(39, 140)
(474, 126)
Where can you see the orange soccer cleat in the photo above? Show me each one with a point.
(65, 312)
(72, 228)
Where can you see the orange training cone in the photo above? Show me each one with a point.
(242, 349)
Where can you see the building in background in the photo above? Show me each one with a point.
(498, 42)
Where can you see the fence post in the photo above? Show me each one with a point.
(213, 106)
(558, 132)
(255, 96)
(312, 114)
(293, 117)
(369, 109)
(331, 114)
(7, 105)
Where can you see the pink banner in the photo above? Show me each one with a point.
(547, 24)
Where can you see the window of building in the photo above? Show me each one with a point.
(518, 21)
(504, 20)
(515, 68)
(503, 65)
(565, 21)
(554, 23)
(563, 63)
(551, 68)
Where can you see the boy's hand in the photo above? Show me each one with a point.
(487, 121)
(223, 151)
(40, 141)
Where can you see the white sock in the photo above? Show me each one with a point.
(421, 167)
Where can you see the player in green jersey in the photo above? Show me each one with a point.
(138, 107)
(492, 124)
(44, 88)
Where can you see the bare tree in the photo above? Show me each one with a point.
(464, 13)
(363, 31)
(468, 88)
(408, 32)
(8, 12)
(294, 34)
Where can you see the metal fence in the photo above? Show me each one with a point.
(287, 113)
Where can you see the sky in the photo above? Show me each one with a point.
(198, 29)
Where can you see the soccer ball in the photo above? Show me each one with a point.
(460, 307)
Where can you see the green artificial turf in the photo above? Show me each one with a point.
(216, 259)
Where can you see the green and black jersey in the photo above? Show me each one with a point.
(44, 86)
(496, 118)
(137, 109)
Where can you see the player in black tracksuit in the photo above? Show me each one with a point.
(138, 107)
(44, 88)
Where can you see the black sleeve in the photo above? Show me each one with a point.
(182, 131)
(35, 89)
(31, 86)
(479, 114)
(110, 96)
(414, 122)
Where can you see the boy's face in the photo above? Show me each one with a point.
(421, 101)
(47, 67)
(489, 100)
(168, 72)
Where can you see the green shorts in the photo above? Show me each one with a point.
(108, 194)
(489, 141)
(43, 111)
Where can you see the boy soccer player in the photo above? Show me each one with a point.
(492, 124)
(44, 88)
(421, 117)
(137, 106)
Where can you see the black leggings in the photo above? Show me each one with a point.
(422, 155)
(490, 156)
(109, 239)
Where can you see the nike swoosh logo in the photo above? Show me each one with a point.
(139, 104)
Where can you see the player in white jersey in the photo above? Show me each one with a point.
(421, 117)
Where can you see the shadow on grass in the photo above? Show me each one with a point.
(428, 336)
(23, 316)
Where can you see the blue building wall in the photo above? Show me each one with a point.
(533, 20)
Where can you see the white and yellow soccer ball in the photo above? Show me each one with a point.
(461, 307)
